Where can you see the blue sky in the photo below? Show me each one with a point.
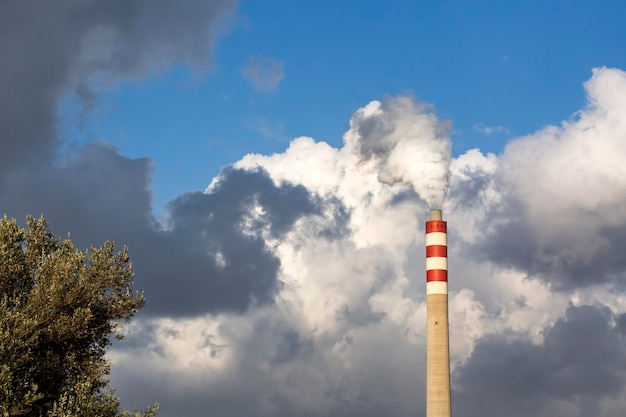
(517, 65)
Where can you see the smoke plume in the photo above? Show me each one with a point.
(408, 141)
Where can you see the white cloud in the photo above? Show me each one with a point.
(566, 186)
(345, 335)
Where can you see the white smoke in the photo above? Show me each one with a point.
(409, 142)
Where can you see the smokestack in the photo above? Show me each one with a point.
(437, 338)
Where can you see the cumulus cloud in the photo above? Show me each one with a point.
(263, 73)
(564, 194)
(345, 335)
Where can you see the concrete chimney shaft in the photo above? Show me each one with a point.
(437, 333)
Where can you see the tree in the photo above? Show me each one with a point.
(59, 308)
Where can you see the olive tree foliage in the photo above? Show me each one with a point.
(59, 308)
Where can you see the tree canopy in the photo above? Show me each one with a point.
(59, 309)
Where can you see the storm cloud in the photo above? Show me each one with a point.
(205, 260)
(581, 360)
(52, 48)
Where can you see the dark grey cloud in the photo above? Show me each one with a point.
(204, 262)
(209, 262)
(621, 324)
(582, 359)
(96, 195)
(51, 48)
(562, 261)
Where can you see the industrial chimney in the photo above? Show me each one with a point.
(437, 338)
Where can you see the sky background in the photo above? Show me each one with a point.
(270, 166)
